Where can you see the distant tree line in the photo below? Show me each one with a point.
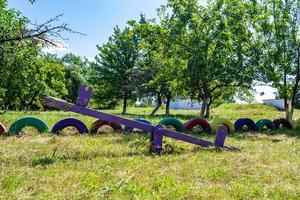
(209, 54)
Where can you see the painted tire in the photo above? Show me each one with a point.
(238, 125)
(198, 121)
(76, 123)
(18, 125)
(218, 122)
(170, 121)
(2, 129)
(283, 122)
(100, 122)
(129, 129)
(265, 122)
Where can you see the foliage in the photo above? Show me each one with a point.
(114, 72)
(277, 25)
(216, 42)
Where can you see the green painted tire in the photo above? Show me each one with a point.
(265, 122)
(18, 125)
(170, 121)
(222, 121)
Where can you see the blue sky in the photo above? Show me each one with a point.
(96, 18)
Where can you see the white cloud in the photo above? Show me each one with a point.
(60, 48)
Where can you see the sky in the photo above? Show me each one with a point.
(96, 19)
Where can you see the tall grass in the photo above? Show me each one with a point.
(116, 166)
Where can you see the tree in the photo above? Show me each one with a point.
(160, 67)
(75, 70)
(216, 42)
(116, 63)
(14, 28)
(26, 76)
(278, 32)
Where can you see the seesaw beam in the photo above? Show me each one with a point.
(157, 132)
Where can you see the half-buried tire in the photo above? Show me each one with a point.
(129, 129)
(170, 121)
(218, 122)
(284, 122)
(2, 129)
(240, 123)
(100, 122)
(18, 125)
(70, 122)
(265, 123)
(198, 121)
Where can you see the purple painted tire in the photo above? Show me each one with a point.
(284, 122)
(76, 123)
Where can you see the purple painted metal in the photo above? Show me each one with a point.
(221, 136)
(157, 132)
(157, 139)
(187, 138)
(84, 95)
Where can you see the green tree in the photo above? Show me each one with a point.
(76, 70)
(27, 76)
(216, 42)
(113, 72)
(160, 67)
(277, 26)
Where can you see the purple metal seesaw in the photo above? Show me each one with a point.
(157, 132)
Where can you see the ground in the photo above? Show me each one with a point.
(115, 166)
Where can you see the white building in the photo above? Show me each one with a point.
(185, 104)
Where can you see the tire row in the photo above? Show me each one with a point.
(239, 125)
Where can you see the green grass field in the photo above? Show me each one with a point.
(115, 166)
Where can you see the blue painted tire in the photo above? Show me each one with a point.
(240, 123)
(129, 129)
(76, 123)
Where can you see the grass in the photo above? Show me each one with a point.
(115, 166)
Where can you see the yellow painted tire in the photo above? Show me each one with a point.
(218, 122)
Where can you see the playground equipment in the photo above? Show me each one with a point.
(218, 122)
(260, 124)
(129, 129)
(157, 132)
(240, 123)
(221, 126)
(284, 122)
(171, 121)
(18, 125)
(76, 123)
(100, 122)
(198, 121)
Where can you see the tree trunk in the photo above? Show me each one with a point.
(203, 106)
(158, 104)
(169, 96)
(207, 112)
(295, 87)
(124, 105)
